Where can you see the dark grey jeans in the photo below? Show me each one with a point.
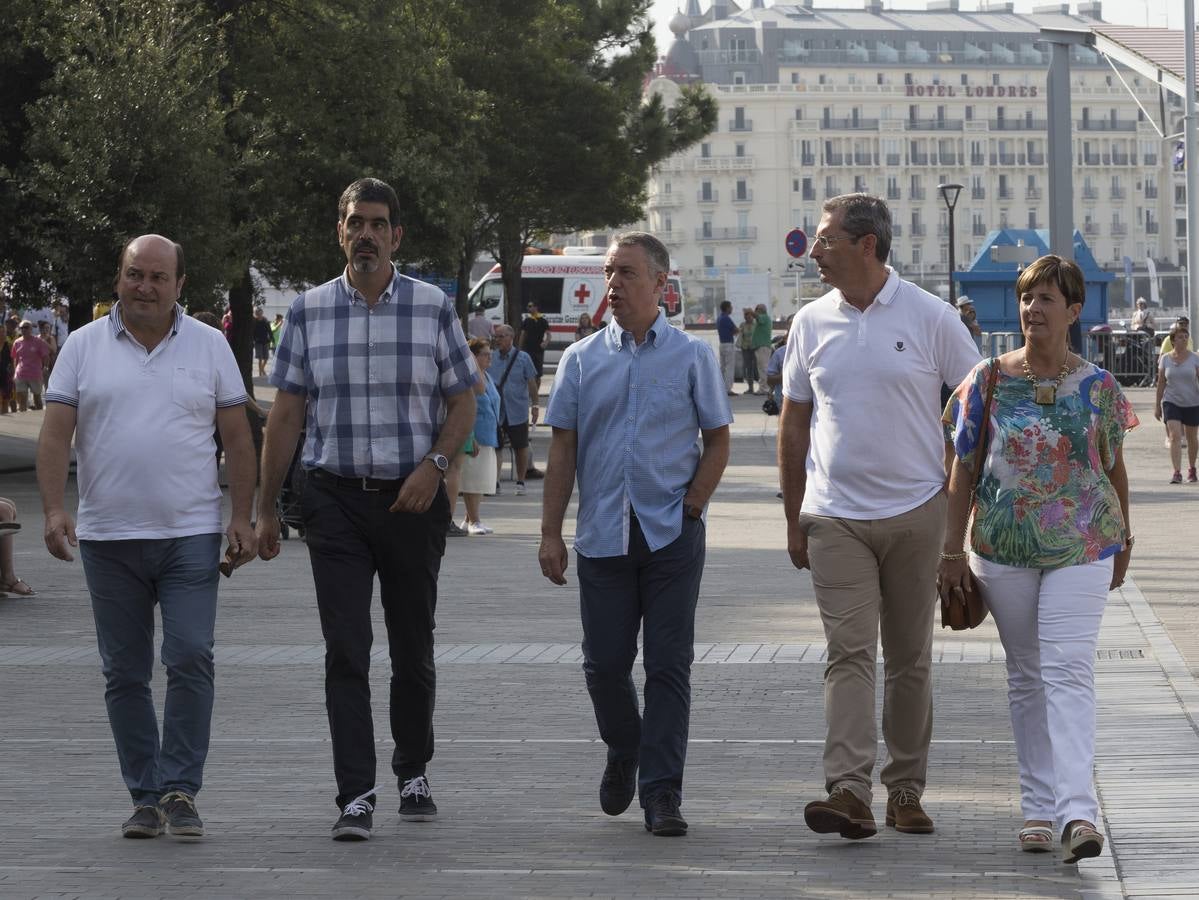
(619, 595)
(126, 579)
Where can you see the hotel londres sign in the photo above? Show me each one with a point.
(971, 90)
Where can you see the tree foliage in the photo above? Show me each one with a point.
(232, 126)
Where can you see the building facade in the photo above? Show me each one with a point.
(819, 102)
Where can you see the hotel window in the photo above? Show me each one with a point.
(705, 150)
(739, 151)
(709, 258)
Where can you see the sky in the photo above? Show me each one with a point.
(1155, 13)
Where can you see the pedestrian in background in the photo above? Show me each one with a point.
(726, 333)
(745, 342)
(869, 524)
(762, 342)
(1177, 401)
(10, 582)
(1050, 537)
(515, 377)
(478, 469)
(141, 390)
(377, 365)
(30, 354)
(628, 411)
(262, 340)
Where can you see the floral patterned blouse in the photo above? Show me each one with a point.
(1044, 500)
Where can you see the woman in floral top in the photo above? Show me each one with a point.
(1050, 537)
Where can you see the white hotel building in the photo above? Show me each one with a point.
(820, 102)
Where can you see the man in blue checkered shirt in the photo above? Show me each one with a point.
(369, 363)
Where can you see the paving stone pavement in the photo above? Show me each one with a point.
(518, 759)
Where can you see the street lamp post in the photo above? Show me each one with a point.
(949, 193)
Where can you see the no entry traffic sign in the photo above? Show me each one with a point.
(797, 242)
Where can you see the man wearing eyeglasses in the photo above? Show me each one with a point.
(862, 460)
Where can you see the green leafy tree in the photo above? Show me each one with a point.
(566, 138)
(125, 138)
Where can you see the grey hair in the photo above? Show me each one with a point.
(655, 250)
(863, 214)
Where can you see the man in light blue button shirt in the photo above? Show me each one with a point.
(628, 408)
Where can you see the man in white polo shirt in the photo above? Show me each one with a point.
(141, 389)
(862, 460)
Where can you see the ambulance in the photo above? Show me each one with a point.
(563, 287)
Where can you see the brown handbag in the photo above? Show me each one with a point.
(960, 611)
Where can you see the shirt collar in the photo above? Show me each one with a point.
(886, 294)
(354, 294)
(117, 323)
(616, 335)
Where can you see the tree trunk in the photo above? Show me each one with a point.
(241, 304)
(510, 253)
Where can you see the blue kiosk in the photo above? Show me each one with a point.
(991, 284)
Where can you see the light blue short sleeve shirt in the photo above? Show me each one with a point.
(638, 412)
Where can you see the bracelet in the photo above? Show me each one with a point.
(950, 557)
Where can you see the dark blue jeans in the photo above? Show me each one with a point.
(351, 537)
(126, 579)
(618, 596)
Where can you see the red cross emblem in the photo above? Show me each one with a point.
(582, 292)
(671, 299)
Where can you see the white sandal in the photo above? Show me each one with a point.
(1035, 838)
(1080, 840)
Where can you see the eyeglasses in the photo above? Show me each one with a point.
(824, 242)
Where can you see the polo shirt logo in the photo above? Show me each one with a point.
(899, 346)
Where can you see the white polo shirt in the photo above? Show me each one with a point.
(874, 380)
(144, 447)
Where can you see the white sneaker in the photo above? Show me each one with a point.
(520, 488)
(476, 528)
(486, 528)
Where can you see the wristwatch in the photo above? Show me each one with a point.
(440, 460)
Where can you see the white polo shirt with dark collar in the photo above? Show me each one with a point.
(874, 379)
(144, 433)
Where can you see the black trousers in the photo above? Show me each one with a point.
(655, 592)
(351, 536)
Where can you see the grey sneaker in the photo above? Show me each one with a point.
(520, 488)
(416, 800)
(146, 822)
(355, 821)
(179, 810)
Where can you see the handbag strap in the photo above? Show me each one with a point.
(980, 448)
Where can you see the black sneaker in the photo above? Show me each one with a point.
(179, 809)
(416, 801)
(618, 786)
(146, 822)
(355, 821)
(532, 473)
(662, 815)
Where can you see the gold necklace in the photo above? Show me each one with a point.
(1046, 394)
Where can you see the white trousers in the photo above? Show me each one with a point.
(728, 357)
(1049, 621)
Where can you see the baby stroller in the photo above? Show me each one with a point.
(288, 505)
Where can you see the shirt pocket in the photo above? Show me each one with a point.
(192, 390)
(666, 399)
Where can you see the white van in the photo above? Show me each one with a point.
(563, 287)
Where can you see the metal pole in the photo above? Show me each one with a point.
(1061, 184)
(1191, 149)
(953, 294)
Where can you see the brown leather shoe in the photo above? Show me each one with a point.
(905, 814)
(842, 813)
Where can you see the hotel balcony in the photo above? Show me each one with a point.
(749, 233)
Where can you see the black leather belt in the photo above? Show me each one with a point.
(357, 484)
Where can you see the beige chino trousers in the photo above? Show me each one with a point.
(872, 575)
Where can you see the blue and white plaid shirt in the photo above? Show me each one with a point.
(376, 378)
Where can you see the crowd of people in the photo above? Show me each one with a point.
(1016, 487)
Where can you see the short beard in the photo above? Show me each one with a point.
(365, 266)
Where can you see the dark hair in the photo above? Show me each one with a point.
(863, 214)
(655, 250)
(477, 345)
(1179, 326)
(726, 306)
(1064, 274)
(180, 268)
(370, 190)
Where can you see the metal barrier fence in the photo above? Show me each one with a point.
(1131, 356)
